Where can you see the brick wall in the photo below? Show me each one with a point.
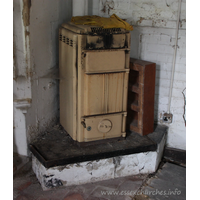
(153, 39)
(159, 48)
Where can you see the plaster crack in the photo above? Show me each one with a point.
(141, 168)
(184, 113)
(107, 6)
(116, 162)
(167, 3)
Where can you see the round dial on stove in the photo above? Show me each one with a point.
(105, 126)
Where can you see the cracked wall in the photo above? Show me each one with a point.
(152, 13)
(153, 39)
(21, 77)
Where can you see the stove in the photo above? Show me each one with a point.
(94, 71)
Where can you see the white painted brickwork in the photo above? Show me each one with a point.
(160, 50)
(98, 170)
(153, 39)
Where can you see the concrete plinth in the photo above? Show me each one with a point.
(98, 170)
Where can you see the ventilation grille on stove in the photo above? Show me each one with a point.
(66, 40)
(107, 30)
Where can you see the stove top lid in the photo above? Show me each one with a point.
(93, 30)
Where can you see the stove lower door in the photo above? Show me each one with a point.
(104, 126)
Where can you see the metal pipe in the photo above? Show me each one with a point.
(174, 58)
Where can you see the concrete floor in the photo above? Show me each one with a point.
(169, 182)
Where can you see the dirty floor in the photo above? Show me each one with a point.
(169, 182)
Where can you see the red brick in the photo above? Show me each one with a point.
(74, 197)
(43, 198)
(22, 197)
(14, 168)
(24, 186)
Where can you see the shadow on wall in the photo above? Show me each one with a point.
(14, 144)
(156, 97)
(16, 159)
(90, 7)
(135, 44)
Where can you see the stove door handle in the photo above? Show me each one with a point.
(83, 123)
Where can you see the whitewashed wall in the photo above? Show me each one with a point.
(153, 39)
(36, 88)
(46, 18)
(21, 81)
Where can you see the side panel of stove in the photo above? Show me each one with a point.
(68, 81)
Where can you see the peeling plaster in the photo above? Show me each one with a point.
(184, 113)
(53, 182)
(107, 6)
(26, 22)
(29, 72)
(182, 21)
(140, 20)
(116, 161)
(26, 12)
(28, 100)
(27, 33)
(140, 13)
(51, 84)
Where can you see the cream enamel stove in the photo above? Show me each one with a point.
(94, 70)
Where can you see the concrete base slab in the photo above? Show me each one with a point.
(98, 170)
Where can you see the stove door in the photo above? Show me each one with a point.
(104, 61)
(103, 127)
(104, 93)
